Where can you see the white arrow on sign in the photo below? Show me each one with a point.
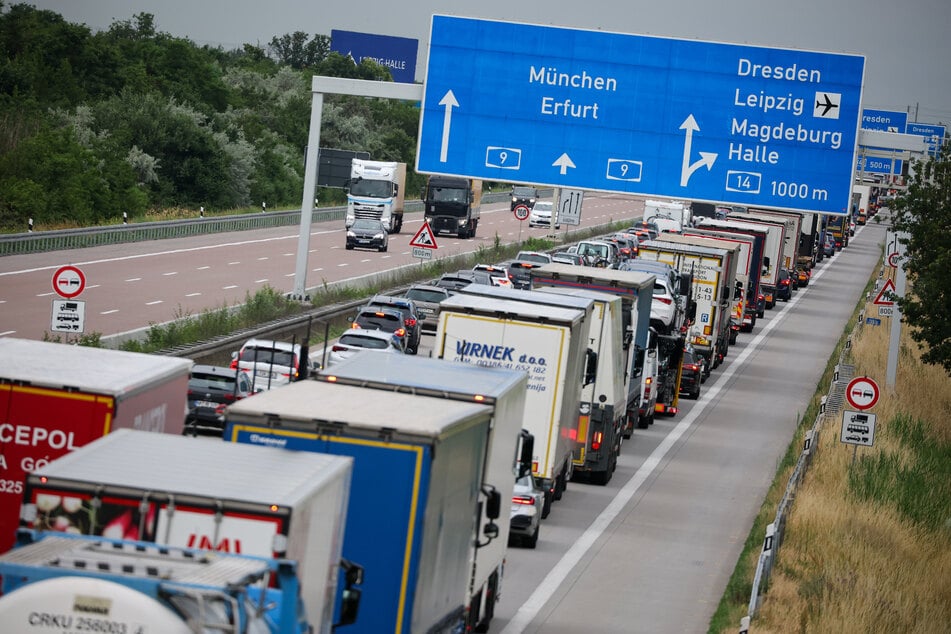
(706, 158)
(564, 162)
(449, 101)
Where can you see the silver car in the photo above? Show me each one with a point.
(358, 339)
(427, 298)
(526, 512)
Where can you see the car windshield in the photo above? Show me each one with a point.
(365, 224)
(523, 192)
(426, 295)
(600, 250)
(543, 206)
(449, 195)
(371, 188)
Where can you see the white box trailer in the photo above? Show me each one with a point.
(550, 344)
(502, 390)
(202, 493)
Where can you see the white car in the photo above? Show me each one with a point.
(499, 275)
(541, 215)
(526, 512)
(268, 363)
(357, 339)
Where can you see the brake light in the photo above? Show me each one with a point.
(596, 441)
(666, 300)
(234, 364)
(692, 366)
(338, 348)
(410, 322)
(355, 325)
(523, 499)
(399, 332)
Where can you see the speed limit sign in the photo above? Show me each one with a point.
(521, 212)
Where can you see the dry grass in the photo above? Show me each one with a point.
(868, 544)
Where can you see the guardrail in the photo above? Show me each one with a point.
(65, 239)
(830, 406)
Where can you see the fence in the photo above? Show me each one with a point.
(830, 407)
(64, 239)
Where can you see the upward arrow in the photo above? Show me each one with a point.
(564, 162)
(449, 101)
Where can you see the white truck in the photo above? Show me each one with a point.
(202, 493)
(713, 264)
(548, 343)
(376, 190)
(58, 582)
(413, 519)
(773, 253)
(668, 215)
(793, 222)
(502, 390)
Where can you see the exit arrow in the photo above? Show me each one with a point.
(706, 158)
(449, 101)
(564, 162)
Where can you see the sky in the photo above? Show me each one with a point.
(907, 43)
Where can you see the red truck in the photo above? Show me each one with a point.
(55, 398)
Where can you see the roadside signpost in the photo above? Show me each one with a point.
(591, 110)
(858, 428)
(68, 314)
(424, 243)
(862, 393)
(521, 212)
(569, 206)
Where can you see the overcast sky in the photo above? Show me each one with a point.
(907, 43)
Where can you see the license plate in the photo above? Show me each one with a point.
(262, 373)
(205, 404)
(426, 311)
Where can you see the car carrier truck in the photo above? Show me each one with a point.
(503, 391)
(550, 344)
(60, 583)
(203, 493)
(55, 398)
(413, 519)
(377, 191)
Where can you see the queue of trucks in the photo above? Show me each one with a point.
(370, 496)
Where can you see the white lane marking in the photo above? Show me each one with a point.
(170, 273)
(158, 301)
(290, 274)
(319, 268)
(260, 281)
(203, 268)
(261, 259)
(134, 279)
(342, 264)
(7, 332)
(233, 263)
(228, 288)
(109, 312)
(45, 294)
(550, 584)
(192, 294)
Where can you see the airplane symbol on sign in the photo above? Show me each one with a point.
(827, 104)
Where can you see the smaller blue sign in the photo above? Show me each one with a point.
(879, 165)
(884, 120)
(398, 54)
(933, 133)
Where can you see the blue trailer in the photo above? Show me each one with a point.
(413, 518)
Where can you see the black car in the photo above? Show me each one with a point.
(211, 388)
(412, 319)
(784, 286)
(520, 272)
(368, 234)
(692, 375)
(523, 196)
(385, 319)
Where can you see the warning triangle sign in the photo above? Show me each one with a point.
(884, 298)
(424, 238)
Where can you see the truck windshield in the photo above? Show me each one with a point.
(448, 195)
(371, 188)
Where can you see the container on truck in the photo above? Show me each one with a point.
(838, 226)
(550, 344)
(452, 205)
(773, 255)
(793, 221)
(58, 582)
(636, 291)
(508, 454)
(55, 398)
(603, 411)
(413, 519)
(377, 191)
(810, 248)
(743, 309)
(713, 264)
(768, 238)
(202, 493)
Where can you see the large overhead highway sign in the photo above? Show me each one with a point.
(563, 107)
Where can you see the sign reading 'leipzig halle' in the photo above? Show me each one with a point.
(591, 110)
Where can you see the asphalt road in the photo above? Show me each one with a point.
(653, 550)
(130, 286)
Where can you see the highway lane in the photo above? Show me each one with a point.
(653, 550)
(130, 286)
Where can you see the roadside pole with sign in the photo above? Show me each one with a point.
(423, 243)
(858, 427)
(521, 213)
(68, 314)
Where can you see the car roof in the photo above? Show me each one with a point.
(216, 370)
(373, 334)
(391, 300)
(270, 343)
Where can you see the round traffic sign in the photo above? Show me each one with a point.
(862, 393)
(521, 212)
(68, 281)
(893, 260)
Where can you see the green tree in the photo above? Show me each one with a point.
(924, 214)
(298, 50)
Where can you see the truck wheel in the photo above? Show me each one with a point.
(561, 484)
(399, 226)
(601, 478)
(643, 422)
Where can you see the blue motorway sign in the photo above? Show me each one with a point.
(561, 107)
(398, 54)
(884, 120)
(934, 134)
(879, 165)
